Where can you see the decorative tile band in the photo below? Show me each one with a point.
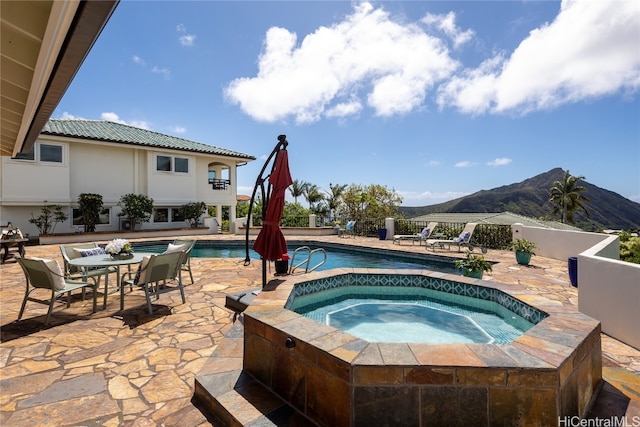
(395, 281)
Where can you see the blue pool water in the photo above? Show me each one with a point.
(416, 320)
(336, 257)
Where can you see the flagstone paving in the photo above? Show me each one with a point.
(129, 368)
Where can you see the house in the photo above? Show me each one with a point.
(502, 218)
(71, 157)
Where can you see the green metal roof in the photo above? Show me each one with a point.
(503, 218)
(102, 130)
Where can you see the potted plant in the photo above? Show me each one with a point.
(524, 250)
(474, 265)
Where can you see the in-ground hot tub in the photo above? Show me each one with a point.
(335, 378)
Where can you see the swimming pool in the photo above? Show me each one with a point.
(337, 256)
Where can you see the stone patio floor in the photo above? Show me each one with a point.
(129, 368)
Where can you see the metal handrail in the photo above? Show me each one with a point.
(307, 261)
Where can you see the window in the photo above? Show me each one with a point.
(161, 215)
(176, 216)
(182, 165)
(50, 153)
(163, 163)
(41, 152)
(103, 218)
(172, 164)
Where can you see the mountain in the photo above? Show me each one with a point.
(608, 210)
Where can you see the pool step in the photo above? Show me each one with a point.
(233, 398)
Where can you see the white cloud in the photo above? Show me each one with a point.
(412, 198)
(591, 49)
(367, 56)
(185, 39)
(138, 60)
(500, 161)
(178, 129)
(69, 116)
(113, 117)
(464, 164)
(163, 71)
(433, 163)
(447, 24)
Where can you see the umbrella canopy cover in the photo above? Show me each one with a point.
(270, 243)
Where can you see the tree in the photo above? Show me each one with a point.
(373, 201)
(298, 189)
(50, 215)
(313, 195)
(90, 206)
(192, 211)
(566, 195)
(334, 197)
(137, 208)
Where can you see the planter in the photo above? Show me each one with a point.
(382, 233)
(122, 256)
(573, 271)
(282, 267)
(523, 258)
(475, 274)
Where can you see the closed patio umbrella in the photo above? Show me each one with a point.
(270, 242)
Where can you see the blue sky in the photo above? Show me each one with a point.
(435, 100)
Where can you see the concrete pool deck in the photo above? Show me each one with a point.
(112, 368)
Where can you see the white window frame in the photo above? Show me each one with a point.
(172, 164)
(37, 154)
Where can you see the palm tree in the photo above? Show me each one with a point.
(298, 189)
(313, 195)
(567, 197)
(334, 197)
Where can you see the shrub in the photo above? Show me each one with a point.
(192, 211)
(50, 215)
(137, 208)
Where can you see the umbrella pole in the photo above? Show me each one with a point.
(264, 273)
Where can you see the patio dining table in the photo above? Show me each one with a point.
(105, 261)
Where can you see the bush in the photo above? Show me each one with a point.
(630, 250)
(192, 211)
(50, 215)
(137, 208)
(90, 206)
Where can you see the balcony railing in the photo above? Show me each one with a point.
(219, 184)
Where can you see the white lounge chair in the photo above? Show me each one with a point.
(464, 239)
(416, 237)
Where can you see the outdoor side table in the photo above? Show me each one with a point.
(13, 245)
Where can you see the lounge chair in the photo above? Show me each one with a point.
(464, 239)
(348, 229)
(416, 237)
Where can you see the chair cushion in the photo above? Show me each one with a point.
(174, 248)
(463, 237)
(90, 252)
(425, 231)
(141, 274)
(57, 275)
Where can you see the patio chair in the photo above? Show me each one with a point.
(187, 246)
(464, 239)
(348, 229)
(419, 237)
(156, 275)
(47, 274)
(73, 272)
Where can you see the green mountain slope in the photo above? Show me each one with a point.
(530, 198)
